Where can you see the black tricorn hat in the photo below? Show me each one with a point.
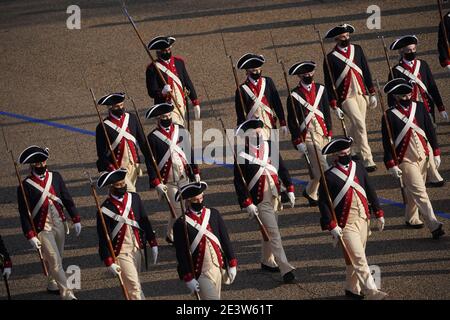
(191, 190)
(158, 110)
(337, 145)
(112, 99)
(250, 61)
(249, 124)
(398, 86)
(338, 30)
(109, 177)
(33, 154)
(160, 43)
(302, 67)
(403, 42)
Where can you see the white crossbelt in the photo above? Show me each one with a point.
(313, 109)
(121, 219)
(265, 167)
(349, 64)
(122, 131)
(45, 193)
(257, 101)
(172, 144)
(409, 124)
(170, 74)
(202, 231)
(349, 182)
(414, 76)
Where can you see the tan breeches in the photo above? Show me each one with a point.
(130, 264)
(313, 185)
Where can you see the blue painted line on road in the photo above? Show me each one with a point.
(92, 133)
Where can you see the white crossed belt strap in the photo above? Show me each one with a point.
(409, 124)
(349, 182)
(172, 144)
(313, 110)
(45, 193)
(414, 76)
(348, 64)
(265, 167)
(121, 219)
(202, 231)
(122, 131)
(170, 74)
(257, 101)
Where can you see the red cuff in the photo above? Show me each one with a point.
(30, 234)
(330, 133)
(332, 225)
(437, 152)
(110, 168)
(196, 170)
(390, 164)
(153, 243)
(108, 261)
(232, 263)
(290, 188)
(196, 102)
(7, 264)
(247, 202)
(445, 63)
(372, 90)
(155, 182)
(333, 103)
(296, 142)
(441, 108)
(76, 219)
(188, 277)
(379, 213)
(282, 123)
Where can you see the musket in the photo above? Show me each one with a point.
(262, 228)
(444, 29)
(106, 233)
(25, 199)
(8, 292)
(391, 143)
(386, 55)
(158, 71)
(281, 62)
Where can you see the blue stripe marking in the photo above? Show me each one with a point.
(92, 133)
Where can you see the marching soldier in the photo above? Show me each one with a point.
(47, 195)
(212, 253)
(353, 198)
(179, 86)
(129, 230)
(425, 89)
(355, 89)
(414, 141)
(260, 96)
(258, 165)
(125, 136)
(444, 57)
(171, 145)
(5, 260)
(312, 97)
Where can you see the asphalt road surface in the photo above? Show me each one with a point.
(45, 102)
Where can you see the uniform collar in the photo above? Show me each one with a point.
(409, 63)
(307, 87)
(117, 198)
(253, 81)
(42, 177)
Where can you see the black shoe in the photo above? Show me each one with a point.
(371, 168)
(311, 201)
(435, 184)
(414, 226)
(352, 295)
(270, 269)
(55, 292)
(169, 241)
(289, 277)
(438, 233)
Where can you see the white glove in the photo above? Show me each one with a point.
(197, 178)
(155, 254)
(444, 115)
(336, 234)
(301, 147)
(291, 197)
(380, 223)
(284, 130)
(328, 139)
(373, 102)
(437, 161)
(114, 269)
(7, 273)
(232, 274)
(166, 89)
(197, 112)
(35, 243)
(252, 211)
(396, 172)
(77, 227)
(339, 113)
(448, 67)
(161, 189)
(193, 285)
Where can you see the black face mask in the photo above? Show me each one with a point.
(345, 160)
(344, 43)
(165, 122)
(410, 56)
(40, 170)
(165, 55)
(255, 76)
(307, 80)
(119, 192)
(118, 112)
(197, 207)
(404, 103)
